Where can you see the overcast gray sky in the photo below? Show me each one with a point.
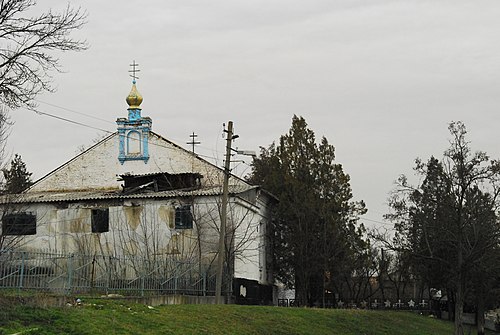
(380, 79)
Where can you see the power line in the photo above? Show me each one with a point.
(39, 112)
(74, 111)
(107, 121)
(375, 221)
(67, 120)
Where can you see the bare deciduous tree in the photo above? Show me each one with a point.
(449, 222)
(27, 48)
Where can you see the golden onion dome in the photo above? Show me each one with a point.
(134, 98)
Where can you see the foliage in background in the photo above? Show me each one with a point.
(17, 178)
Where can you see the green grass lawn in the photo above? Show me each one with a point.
(97, 316)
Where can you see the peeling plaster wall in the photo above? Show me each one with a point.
(98, 168)
(133, 228)
(133, 216)
(144, 228)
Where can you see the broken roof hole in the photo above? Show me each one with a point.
(155, 182)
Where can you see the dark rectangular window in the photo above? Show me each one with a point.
(183, 217)
(19, 224)
(100, 220)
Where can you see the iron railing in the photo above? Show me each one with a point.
(74, 273)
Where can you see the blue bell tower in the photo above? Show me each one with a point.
(134, 131)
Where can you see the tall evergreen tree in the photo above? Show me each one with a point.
(17, 178)
(315, 230)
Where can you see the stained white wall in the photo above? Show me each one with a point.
(98, 168)
(144, 227)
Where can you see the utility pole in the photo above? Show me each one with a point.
(222, 230)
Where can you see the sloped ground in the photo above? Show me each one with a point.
(99, 316)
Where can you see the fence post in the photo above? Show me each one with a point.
(142, 286)
(21, 277)
(108, 272)
(205, 284)
(70, 272)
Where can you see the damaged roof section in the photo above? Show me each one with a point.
(157, 182)
(47, 197)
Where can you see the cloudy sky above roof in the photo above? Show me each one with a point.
(380, 79)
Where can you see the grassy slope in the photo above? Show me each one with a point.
(108, 317)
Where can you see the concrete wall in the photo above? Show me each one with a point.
(45, 300)
(174, 300)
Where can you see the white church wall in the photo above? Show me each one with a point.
(142, 228)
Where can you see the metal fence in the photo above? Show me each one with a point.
(73, 273)
(399, 304)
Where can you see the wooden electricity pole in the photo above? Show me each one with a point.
(222, 230)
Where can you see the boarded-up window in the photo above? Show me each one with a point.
(183, 217)
(100, 220)
(19, 224)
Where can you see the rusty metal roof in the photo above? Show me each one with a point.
(46, 197)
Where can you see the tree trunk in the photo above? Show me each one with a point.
(459, 309)
(301, 289)
(451, 304)
(480, 314)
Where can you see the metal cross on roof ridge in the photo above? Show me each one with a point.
(134, 71)
(193, 142)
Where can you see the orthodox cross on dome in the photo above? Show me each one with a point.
(134, 71)
(134, 98)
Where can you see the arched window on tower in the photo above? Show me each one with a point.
(134, 143)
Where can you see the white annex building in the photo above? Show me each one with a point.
(135, 195)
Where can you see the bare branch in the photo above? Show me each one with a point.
(27, 47)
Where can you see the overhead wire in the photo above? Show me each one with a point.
(104, 120)
(376, 221)
(74, 111)
(66, 119)
(39, 112)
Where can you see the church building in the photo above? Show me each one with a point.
(139, 197)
